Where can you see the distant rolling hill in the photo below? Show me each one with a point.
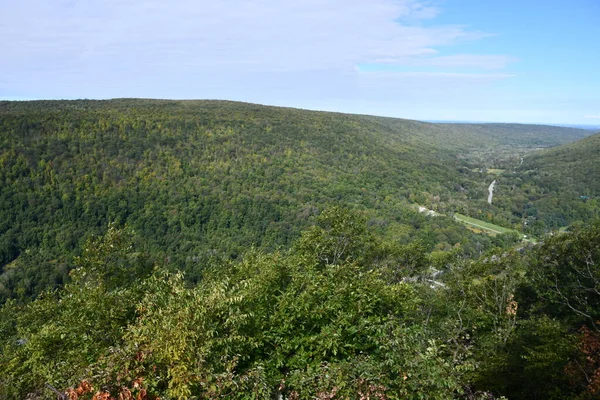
(554, 187)
(574, 166)
(521, 134)
(492, 145)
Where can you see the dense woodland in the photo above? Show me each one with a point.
(207, 249)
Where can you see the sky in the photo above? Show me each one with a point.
(531, 61)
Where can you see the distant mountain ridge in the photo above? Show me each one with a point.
(524, 134)
(588, 127)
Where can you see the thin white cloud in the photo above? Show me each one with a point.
(262, 50)
(466, 60)
(262, 34)
(592, 116)
(431, 59)
(451, 75)
(431, 80)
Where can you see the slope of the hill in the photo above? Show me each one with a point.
(557, 186)
(198, 179)
(520, 134)
(574, 166)
(495, 145)
(203, 179)
(340, 315)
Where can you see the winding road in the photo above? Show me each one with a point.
(491, 190)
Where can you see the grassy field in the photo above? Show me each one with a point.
(482, 225)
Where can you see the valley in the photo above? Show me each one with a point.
(217, 248)
(299, 200)
(205, 180)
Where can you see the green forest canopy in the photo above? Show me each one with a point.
(207, 249)
(205, 180)
(339, 315)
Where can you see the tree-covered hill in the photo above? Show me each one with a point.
(575, 167)
(340, 315)
(495, 145)
(208, 249)
(555, 187)
(200, 180)
(520, 135)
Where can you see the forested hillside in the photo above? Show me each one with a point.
(341, 315)
(555, 187)
(200, 180)
(204, 180)
(572, 167)
(495, 145)
(519, 135)
(211, 249)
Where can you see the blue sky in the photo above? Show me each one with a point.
(497, 60)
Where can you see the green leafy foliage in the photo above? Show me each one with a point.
(55, 338)
(374, 320)
(292, 323)
(565, 274)
(224, 250)
(201, 181)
